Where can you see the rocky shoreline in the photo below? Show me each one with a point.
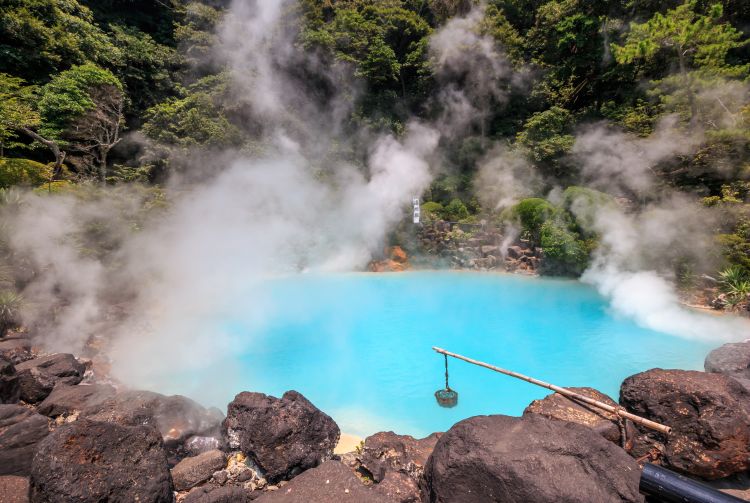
(67, 435)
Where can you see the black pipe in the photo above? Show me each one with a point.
(670, 487)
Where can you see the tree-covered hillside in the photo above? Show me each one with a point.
(130, 91)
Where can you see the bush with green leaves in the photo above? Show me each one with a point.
(432, 210)
(530, 214)
(23, 172)
(565, 254)
(456, 211)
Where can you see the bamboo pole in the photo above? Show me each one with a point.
(620, 411)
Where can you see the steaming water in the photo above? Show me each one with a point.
(359, 345)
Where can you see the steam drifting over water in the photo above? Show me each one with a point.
(297, 208)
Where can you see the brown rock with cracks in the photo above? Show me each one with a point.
(21, 430)
(709, 415)
(65, 400)
(91, 461)
(519, 460)
(387, 451)
(17, 350)
(39, 376)
(282, 436)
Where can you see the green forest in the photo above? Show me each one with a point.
(99, 94)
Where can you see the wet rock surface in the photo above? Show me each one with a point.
(192, 471)
(606, 424)
(39, 376)
(21, 430)
(17, 350)
(10, 389)
(14, 489)
(330, 482)
(396, 463)
(732, 359)
(709, 415)
(66, 400)
(92, 461)
(502, 458)
(282, 436)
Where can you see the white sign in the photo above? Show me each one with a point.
(415, 203)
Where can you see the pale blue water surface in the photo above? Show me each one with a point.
(359, 345)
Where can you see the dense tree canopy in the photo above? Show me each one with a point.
(76, 74)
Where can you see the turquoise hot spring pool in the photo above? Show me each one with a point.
(359, 345)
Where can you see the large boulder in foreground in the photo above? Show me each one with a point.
(508, 459)
(66, 400)
(176, 417)
(91, 461)
(21, 430)
(10, 389)
(282, 436)
(732, 359)
(330, 482)
(709, 415)
(561, 408)
(39, 376)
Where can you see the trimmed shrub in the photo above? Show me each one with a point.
(23, 172)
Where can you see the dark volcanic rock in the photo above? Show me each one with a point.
(399, 487)
(20, 431)
(330, 482)
(606, 424)
(507, 459)
(385, 452)
(16, 350)
(282, 436)
(91, 461)
(176, 417)
(14, 489)
(214, 494)
(39, 376)
(10, 389)
(66, 399)
(192, 471)
(709, 415)
(732, 359)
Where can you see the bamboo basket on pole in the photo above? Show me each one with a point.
(619, 411)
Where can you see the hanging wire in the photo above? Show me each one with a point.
(446, 373)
